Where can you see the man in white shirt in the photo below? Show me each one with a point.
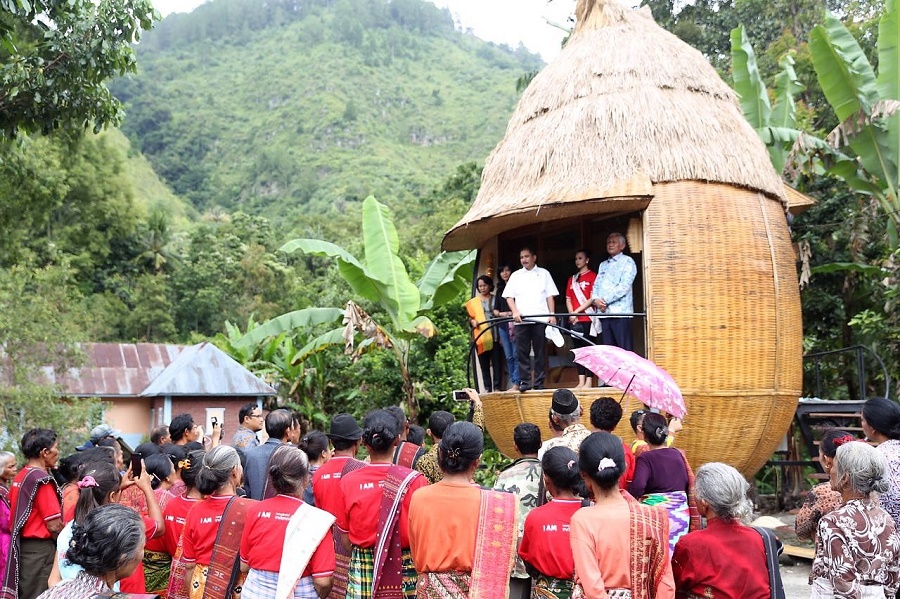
(530, 291)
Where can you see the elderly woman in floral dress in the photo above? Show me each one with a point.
(857, 547)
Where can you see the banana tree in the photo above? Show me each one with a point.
(776, 125)
(380, 277)
(866, 106)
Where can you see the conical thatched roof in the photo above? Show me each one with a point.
(625, 105)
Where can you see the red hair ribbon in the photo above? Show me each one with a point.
(845, 439)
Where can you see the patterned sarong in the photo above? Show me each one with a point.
(197, 586)
(360, 575)
(578, 593)
(547, 587)
(443, 585)
(495, 547)
(157, 568)
(676, 506)
(177, 588)
(262, 584)
(387, 570)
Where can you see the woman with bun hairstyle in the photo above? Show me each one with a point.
(881, 425)
(663, 478)
(463, 537)
(106, 547)
(546, 548)
(620, 547)
(374, 514)
(175, 516)
(857, 546)
(727, 559)
(821, 499)
(287, 549)
(318, 451)
(99, 483)
(212, 531)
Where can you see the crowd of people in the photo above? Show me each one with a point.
(600, 305)
(362, 511)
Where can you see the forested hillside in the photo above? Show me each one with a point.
(292, 106)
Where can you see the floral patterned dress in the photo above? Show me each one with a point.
(857, 553)
(890, 501)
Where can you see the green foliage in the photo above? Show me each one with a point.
(327, 102)
(40, 312)
(56, 56)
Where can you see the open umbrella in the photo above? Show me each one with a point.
(629, 372)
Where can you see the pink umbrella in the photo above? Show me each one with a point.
(638, 376)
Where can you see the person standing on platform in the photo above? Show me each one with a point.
(612, 293)
(578, 294)
(529, 292)
(504, 330)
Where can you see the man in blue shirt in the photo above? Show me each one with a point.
(612, 293)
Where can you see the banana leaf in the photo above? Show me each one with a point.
(888, 80)
(323, 341)
(298, 319)
(748, 83)
(357, 276)
(446, 277)
(401, 297)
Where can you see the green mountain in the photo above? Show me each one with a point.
(286, 107)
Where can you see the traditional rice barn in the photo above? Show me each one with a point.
(632, 130)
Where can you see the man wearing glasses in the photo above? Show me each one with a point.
(251, 419)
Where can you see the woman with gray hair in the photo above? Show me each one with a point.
(212, 530)
(857, 548)
(727, 558)
(108, 546)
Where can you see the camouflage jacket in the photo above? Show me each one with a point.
(522, 479)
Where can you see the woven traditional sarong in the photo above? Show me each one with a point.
(578, 593)
(495, 547)
(676, 506)
(443, 585)
(263, 584)
(177, 588)
(198, 581)
(223, 571)
(157, 568)
(387, 570)
(547, 587)
(362, 562)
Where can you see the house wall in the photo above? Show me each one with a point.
(203, 408)
(131, 416)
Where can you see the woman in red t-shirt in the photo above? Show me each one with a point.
(175, 515)
(367, 500)
(545, 546)
(214, 555)
(286, 539)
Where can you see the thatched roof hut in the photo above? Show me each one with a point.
(629, 119)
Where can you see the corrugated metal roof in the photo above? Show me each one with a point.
(155, 369)
(205, 369)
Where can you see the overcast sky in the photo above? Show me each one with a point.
(500, 21)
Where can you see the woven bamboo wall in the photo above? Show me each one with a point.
(724, 317)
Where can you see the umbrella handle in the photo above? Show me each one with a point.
(627, 387)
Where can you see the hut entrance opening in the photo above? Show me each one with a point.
(556, 243)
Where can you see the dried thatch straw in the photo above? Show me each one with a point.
(625, 105)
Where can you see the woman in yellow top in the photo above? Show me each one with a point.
(479, 310)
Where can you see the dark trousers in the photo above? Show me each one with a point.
(584, 328)
(617, 331)
(519, 588)
(531, 337)
(485, 361)
(35, 562)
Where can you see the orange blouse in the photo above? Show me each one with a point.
(600, 538)
(443, 526)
